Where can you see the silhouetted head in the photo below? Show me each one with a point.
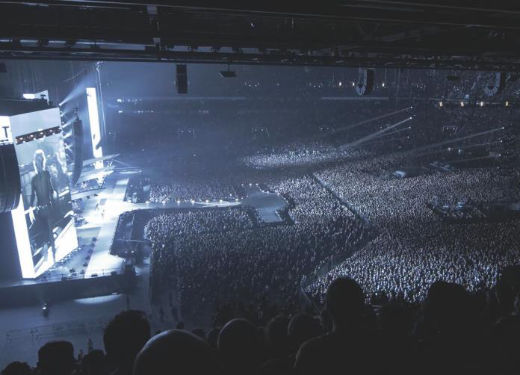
(176, 352)
(17, 368)
(125, 335)
(276, 335)
(212, 337)
(345, 302)
(446, 306)
(239, 345)
(506, 343)
(56, 358)
(302, 327)
(199, 332)
(395, 318)
(508, 286)
(94, 363)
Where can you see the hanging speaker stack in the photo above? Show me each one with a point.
(182, 79)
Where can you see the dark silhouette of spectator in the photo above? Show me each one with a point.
(350, 347)
(240, 347)
(302, 327)
(176, 352)
(56, 358)
(277, 345)
(212, 337)
(276, 336)
(450, 339)
(398, 350)
(94, 363)
(508, 286)
(17, 368)
(124, 337)
(506, 346)
(199, 332)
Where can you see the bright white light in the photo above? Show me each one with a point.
(462, 104)
(23, 244)
(29, 96)
(119, 100)
(5, 129)
(383, 84)
(440, 104)
(98, 300)
(95, 129)
(507, 103)
(66, 242)
(482, 104)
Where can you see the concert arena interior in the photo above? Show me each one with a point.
(267, 188)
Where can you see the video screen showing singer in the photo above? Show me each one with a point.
(42, 202)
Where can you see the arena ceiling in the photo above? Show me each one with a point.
(452, 34)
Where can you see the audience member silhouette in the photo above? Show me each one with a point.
(176, 352)
(94, 363)
(452, 332)
(17, 368)
(350, 344)
(302, 327)
(124, 337)
(56, 358)
(240, 347)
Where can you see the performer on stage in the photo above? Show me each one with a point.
(42, 193)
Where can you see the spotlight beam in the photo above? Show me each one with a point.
(383, 140)
(474, 159)
(394, 132)
(473, 145)
(378, 133)
(349, 127)
(457, 139)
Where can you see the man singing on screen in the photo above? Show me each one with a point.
(42, 192)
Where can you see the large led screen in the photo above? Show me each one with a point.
(44, 226)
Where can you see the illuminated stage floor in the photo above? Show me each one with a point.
(102, 213)
(266, 204)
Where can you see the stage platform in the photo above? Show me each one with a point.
(93, 260)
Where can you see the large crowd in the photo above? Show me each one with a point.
(186, 191)
(451, 332)
(223, 266)
(296, 155)
(415, 247)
